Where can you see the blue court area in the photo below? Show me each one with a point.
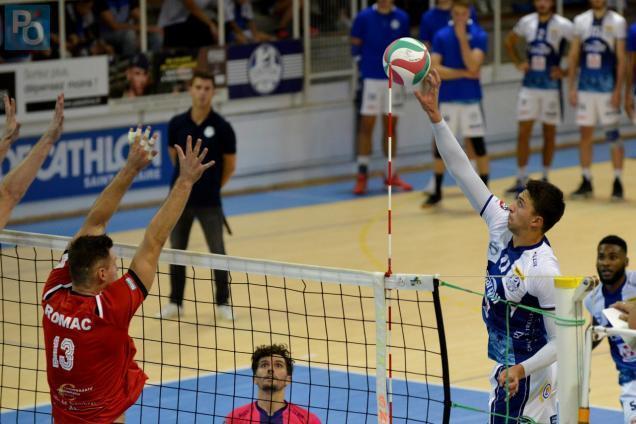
(335, 397)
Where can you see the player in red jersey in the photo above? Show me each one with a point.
(91, 371)
(272, 367)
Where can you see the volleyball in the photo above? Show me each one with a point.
(409, 61)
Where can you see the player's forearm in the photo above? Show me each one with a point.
(5, 144)
(166, 217)
(227, 174)
(547, 355)
(447, 73)
(620, 74)
(459, 166)
(108, 201)
(629, 74)
(511, 48)
(16, 183)
(467, 56)
(572, 70)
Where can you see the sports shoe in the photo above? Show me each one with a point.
(361, 185)
(584, 191)
(224, 312)
(617, 190)
(170, 310)
(516, 188)
(431, 201)
(398, 182)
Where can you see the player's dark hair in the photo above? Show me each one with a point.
(202, 74)
(615, 240)
(547, 200)
(275, 349)
(84, 252)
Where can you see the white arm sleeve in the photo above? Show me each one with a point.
(547, 355)
(459, 166)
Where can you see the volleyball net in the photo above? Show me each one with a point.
(364, 345)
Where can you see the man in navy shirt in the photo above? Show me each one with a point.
(204, 204)
(458, 52)
(374, 28)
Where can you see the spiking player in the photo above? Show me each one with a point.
(598, 49)
(546, 35)
(520, 271)
(272, 368)
(90, 365)
(618, 285)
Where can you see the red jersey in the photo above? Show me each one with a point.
(254, 414)
(90, 365)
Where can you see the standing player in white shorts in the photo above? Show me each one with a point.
(374, 28)
(546, 35)
(458, 52)
(618, 285)
(520, 270)
(598, 49)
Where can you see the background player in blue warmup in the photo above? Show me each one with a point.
(374, 28)
(598, 49)
(458, 53)
(432, 21)
(630, 90)
(618, 285)
(546, 35)
(520, 271)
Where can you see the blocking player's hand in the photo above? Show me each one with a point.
(191, 165)
(510, 377)
(54, 131)
(142, 148)
(428, 97)
(11, 124)
(573, 97)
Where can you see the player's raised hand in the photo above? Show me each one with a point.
(428, 97)
(11, 125)
(54, 131)
(191, 165)
(142, 148)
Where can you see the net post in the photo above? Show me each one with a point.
(567, 338)
(443, 352)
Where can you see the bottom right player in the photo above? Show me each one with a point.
(618, 286)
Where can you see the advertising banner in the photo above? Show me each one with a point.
(84, 163)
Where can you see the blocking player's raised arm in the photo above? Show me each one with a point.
(108, 201)
(449, 148)
(144, 264)
(15, 184)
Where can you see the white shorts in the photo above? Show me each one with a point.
(628, 400)
(594, 108)
(543, 105)
(464, 117)
(536, 398)
(375, 97)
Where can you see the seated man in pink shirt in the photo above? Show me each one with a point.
(272, 367)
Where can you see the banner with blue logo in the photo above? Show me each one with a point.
(85, 162)
(265, 69)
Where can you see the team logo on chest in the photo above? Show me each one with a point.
(395, 24)
(208, 132)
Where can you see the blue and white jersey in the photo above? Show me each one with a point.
(523, 275)
(446, 44)
(378, 30)
(599, 299)
(598, 49)
(546, 43)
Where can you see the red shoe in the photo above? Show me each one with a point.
(399, 183)
(361, 185)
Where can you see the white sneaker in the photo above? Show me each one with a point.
(225, 312)
(170, 310)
